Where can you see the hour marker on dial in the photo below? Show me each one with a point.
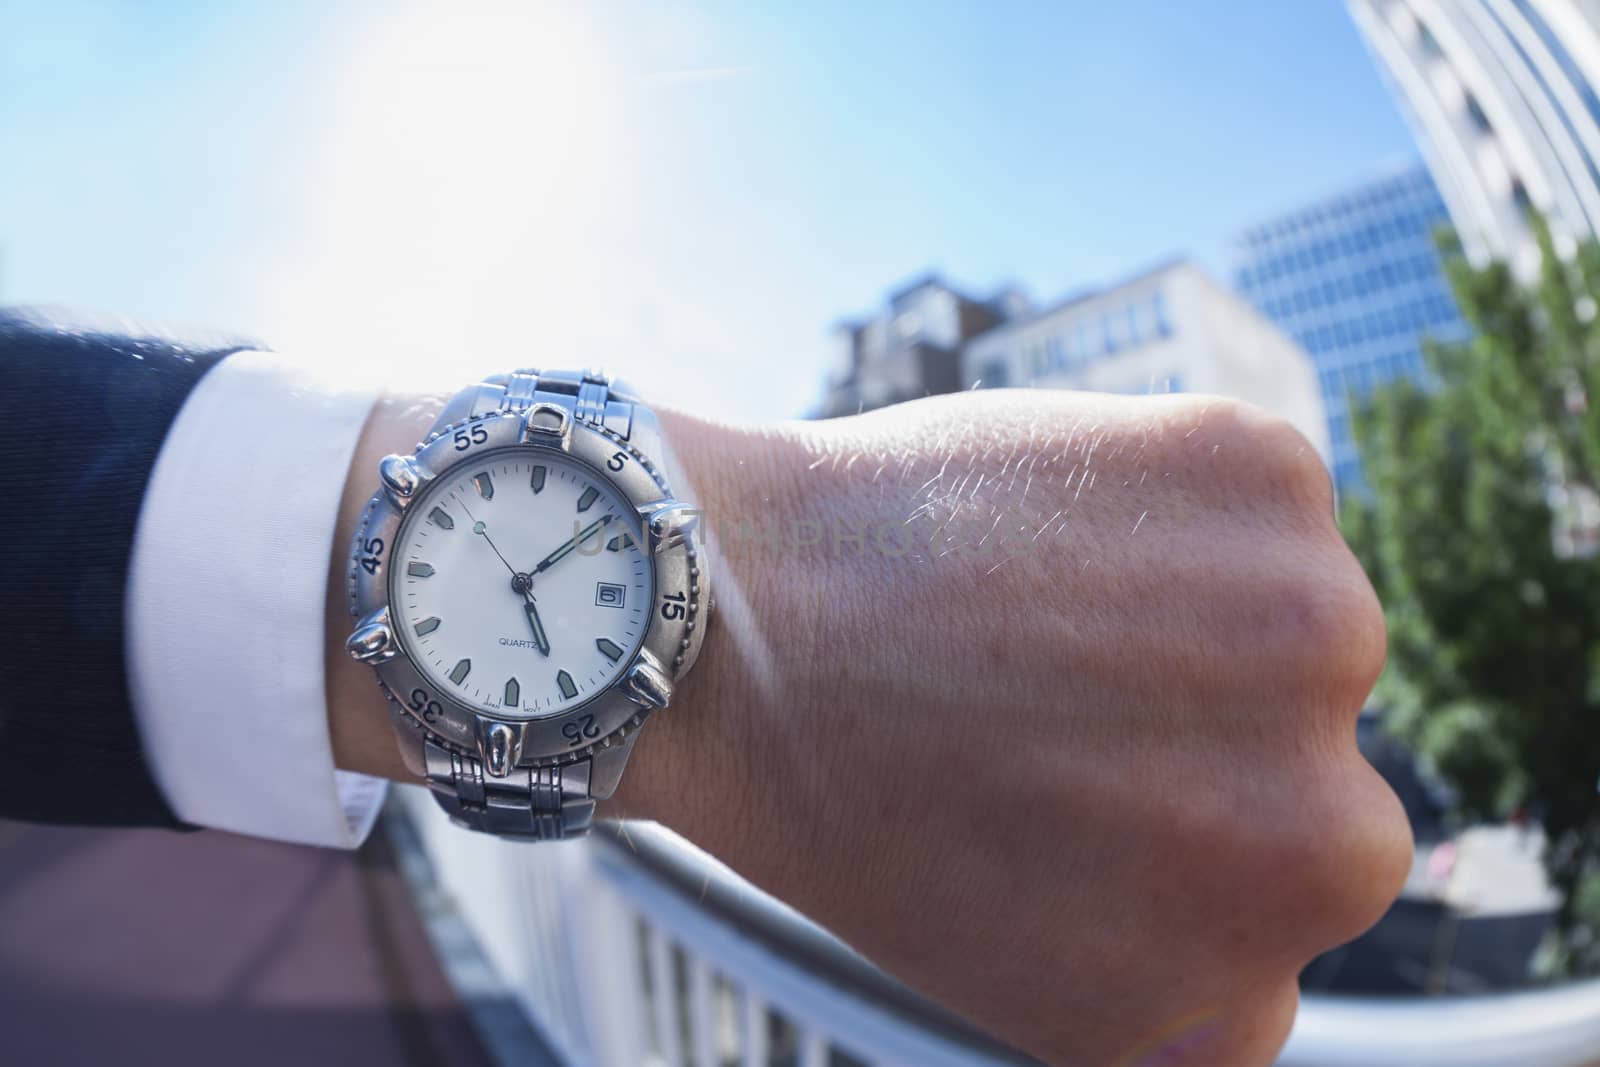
(513, 693)
(460, 672)
(564, 680)
(608, 648)
(586, 501)
(441, 518)
(420, 570)
(617, 543)
(485, 484)
(537, 480)
(427, 626)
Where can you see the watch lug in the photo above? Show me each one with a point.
(499, 746)
(373, 641)
(401, 478)
(607, 764)
(669, 523)
(648, 683)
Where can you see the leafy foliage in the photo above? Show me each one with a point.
(1478, 530)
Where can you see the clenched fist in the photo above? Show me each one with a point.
(1044, 701)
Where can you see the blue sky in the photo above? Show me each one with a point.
(689, 191)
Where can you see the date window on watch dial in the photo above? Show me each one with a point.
(609, 594)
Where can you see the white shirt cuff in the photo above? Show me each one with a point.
(226, 603)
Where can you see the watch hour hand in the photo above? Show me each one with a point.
(540, 640)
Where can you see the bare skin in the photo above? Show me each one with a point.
(1043, 701)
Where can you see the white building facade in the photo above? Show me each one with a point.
(1502, 98)
(1171, 329)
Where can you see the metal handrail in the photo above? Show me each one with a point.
(717, 890)
(606, 945)
(1555, 1027)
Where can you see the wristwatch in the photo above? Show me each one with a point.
(529, 591)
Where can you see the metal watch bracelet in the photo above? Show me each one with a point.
(537, 803)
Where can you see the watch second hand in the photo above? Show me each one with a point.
(483, 531)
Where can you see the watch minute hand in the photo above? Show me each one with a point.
(582, 536)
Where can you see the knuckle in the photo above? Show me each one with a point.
(1346, 632)
(1274, 455)
(1326, 628)
(1352, 856)
(1367, 645)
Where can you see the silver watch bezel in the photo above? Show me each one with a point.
(669, 646)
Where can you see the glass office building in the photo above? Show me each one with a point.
(1356, 279)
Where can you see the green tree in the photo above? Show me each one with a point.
(1477, 530)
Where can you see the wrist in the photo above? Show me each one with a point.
(739, 754)
(694, 755)
(359, 724)
(694, 766)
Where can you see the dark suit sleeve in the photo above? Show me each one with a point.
(83, 411)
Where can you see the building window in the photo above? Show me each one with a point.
(1430, 43)
(1108, 323)
(1519, 195)
(1158, 314)
(1037, 359)
(1086, 349)
(1480, 121)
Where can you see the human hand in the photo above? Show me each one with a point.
(1077, 757)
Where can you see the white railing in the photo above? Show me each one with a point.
(640, 951)
(1558, 1027)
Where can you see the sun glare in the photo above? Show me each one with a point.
(470, 167)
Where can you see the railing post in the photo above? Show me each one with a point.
(753, 1027)
(665, 1000)
(606, 969)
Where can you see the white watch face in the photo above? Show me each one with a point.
(519, 585)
